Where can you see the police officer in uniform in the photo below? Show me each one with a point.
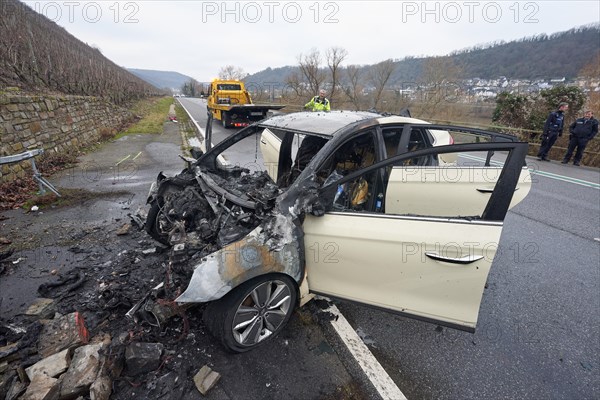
(553, 128)
(581, 132)
(318, 103)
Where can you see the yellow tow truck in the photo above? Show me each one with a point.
(230, 102)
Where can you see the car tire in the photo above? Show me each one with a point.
(157, 225)
(225, 119)
(242, 324)
(153, 224)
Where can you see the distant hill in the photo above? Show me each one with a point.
(161, 79)
(543, 56)
(559, 55)
(275, 75)
(37, 54)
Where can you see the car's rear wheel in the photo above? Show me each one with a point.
(253, 313)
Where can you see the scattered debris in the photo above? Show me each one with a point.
(124, 230)
(4, 240)
(206, 379)
(35, 208)
(66, 332)
(7, 351)
(101, 388)
(83, 371)
(366, 338)
(42, 387)
(51, 366)
(70, 281)
(15, 389)
(42, 308)
(141, 358)
(5, 254)
(149, 251)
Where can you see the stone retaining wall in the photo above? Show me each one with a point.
(55, 124)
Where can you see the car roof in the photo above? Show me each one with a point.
(328, 123)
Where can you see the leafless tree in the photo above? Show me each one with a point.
(438, 83)
(192, 88)
(231, 72)
(354, 90)
(379, 75)
(591, 71)
(310, 68)
(335, 56)
(294, 82)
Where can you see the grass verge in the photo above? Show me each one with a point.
(154, 113)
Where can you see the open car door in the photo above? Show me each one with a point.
(270, 145)
(421, 262)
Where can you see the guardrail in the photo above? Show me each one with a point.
(37, 176)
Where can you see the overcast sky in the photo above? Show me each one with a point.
(196, 38)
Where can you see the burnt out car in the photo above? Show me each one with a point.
(385, 211)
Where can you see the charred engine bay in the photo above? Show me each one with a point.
(205, 211)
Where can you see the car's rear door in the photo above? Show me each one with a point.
(423, 265)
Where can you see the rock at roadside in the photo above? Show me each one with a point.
(101, 388)
(206, 379)
(66, 332)
(141, 358)
(51, 366)
(41, 308)
(83, 371)
(124, 230)
(42, 387)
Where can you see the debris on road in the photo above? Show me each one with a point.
(65, 332)
(142, 358)
(51, 366)
(42, 308)
(124, 230)
(206, 379)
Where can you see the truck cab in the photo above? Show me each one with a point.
(230, 103)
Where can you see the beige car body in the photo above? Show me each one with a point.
(418, 258)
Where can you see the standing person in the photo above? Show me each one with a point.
(581, 132)
(553, 128)
(319, 103)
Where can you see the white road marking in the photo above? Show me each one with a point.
(129, 155)
(137, 155)
(385, 386)
(534, 171)
(201, 131)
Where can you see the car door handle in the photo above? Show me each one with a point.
(262, 141)
(468, 259)
(489, 190)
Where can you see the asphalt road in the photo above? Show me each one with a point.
(539, 324)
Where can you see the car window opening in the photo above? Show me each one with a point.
(356, 195)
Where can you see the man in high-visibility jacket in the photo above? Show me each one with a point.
(318, 103)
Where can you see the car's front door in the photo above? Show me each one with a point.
(424, 266)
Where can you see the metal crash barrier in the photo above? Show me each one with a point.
(37, 176)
